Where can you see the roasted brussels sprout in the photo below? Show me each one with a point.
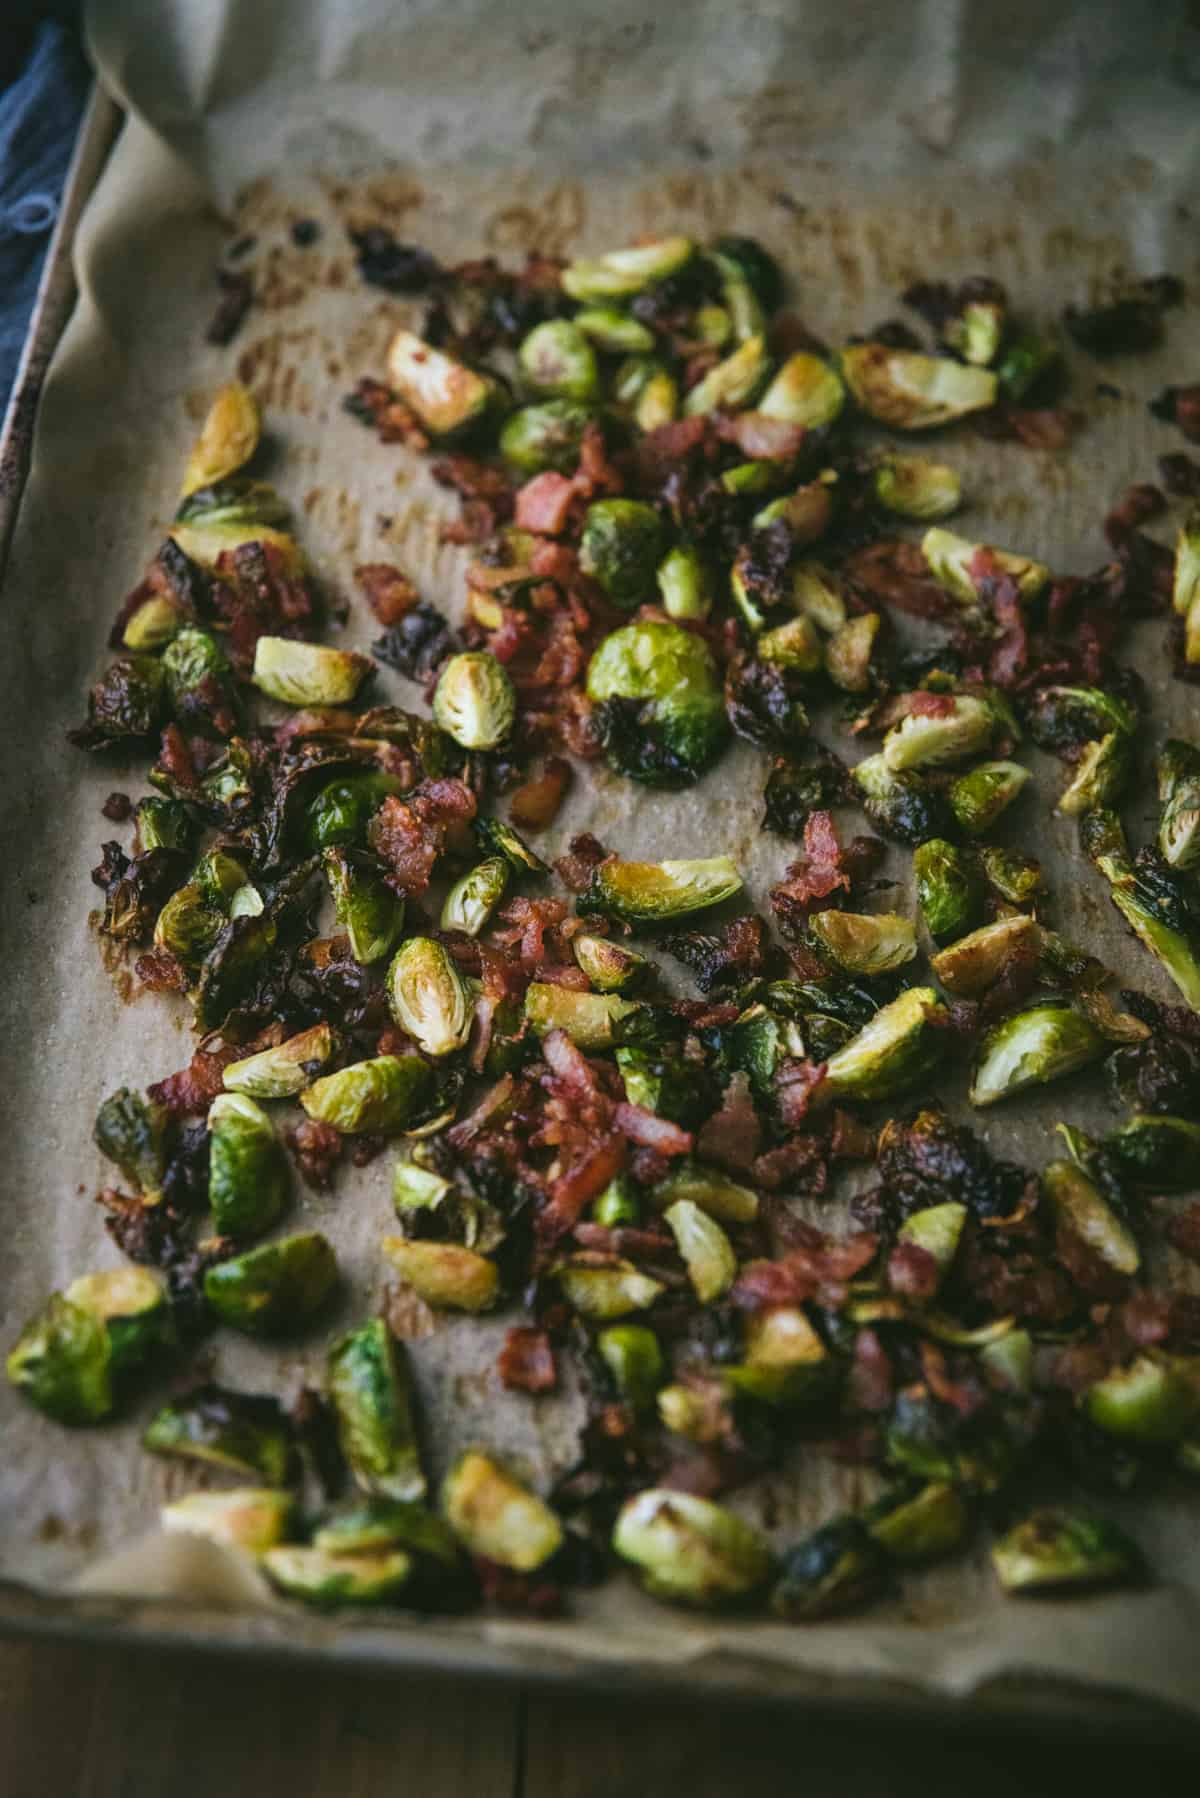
(660, 704)
(589, 1019)
(391, 1523)
(496, 1517)
(898, 1049)
(275, 1288)
(1017, 878)
(816, 594)
(469, 904)
(706, 1250)
(839, 1566)
(368, 1384)
(915, 1527)
(606, 1292)
(72, 1358)
(428, 997)
(976, 961)
(634, 1360)
(546, 436)
(193, 918)
(1162, 1153)
(657, 892)
(501, 839)
(978, 797)
(243, 1432)
(198, 682)
(684, 583)
(284, 1071)
(1186, 587)
(234, 501)
(751, 282)
(556, 359)
(1054, 1547)
(474, 700)
(367, 909)
(164, 824)
(962, 725)
(1152, 1401)
(848, 652)
(308, 673)
(247, 1172)
(900, 805)
(1178, 768)
(733, 382)
(1080, 1207)
(937, 1229)
(951, 561)
(621, 547)
(252, 1518)
(339, 814)
(125, 704)
(948, 889)
(1101, 775)
(446, 396)
(153, 624)
(933, 1441)
(806, 391)
(708, 1189)
(796, 644)
(1026, 359)
(370, 1097)
(619, 274)
(610, 966)
(1152, 899)
(647, 386)
(319, 1578)
(913, 392)
(618, 1203)
(614, 331)
(913, 487)
(689, 1550)
(1038, 1044)
(131, 1132)
(444, 1274)
(227, 440)
(864, 943)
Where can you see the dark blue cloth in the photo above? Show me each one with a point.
(39, 118)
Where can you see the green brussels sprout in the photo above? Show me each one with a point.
(864, 943)
(948, 889)
(284, 1071)
(892, 1054)
(496, 1517)
(747, 479)
(417, 1188)
(501, 839)
(62, 1363)
(152, 625)
(815, 593)
(550, 435)
(125, 704)
(252, 1518)
(806, 391)
(195, 666)
(1101, 775)
(966, 724)
(613, 331)
(1152, 1401)
(759, 1041)
(131, 1132)
(1162, 1153)
(938, 1230)
(1178, 769)
(657, 892)
(133, 1306)
(232, 965)
(915, 1528)
(662, 1079)
(589, 1019)
(744, 259)
(608, 965)
(243, 1432)
(328, 1580)
(648, 387)
(733, 382)
(247, 1172)
(1151, 899)
(557, 359)
(976, 961)
(621, 547)
(913, 392)
(388, 1523)
(684, 586)
(1077, 1204)
(370, 1097)
(913, 487)
(1008, 1362)
(236, 500)
(1026, 358)
(933, 1442)
(192, 920)
(634, 1360)
(848, 652)
(837, 1567)
(618, 1204)
(713, 326)
(786, 1362)
(205, 543)
(469, 904)
(1054, 1547)
(658, 690)
(975, 329)
(1061, 717)
(706, 1250)
(428, 997)
(619, 274)
(1186, 586)
(689, 1550)
(228, 438)
(1040, 1043)
(339, 814)
(446, 396)
(795, 644)
(164, 824)
(606, 1292)
(978, 797)
(1015, 877)
(709, 1190)
(368, 1384)
(275, 1288)
(950, 560)
(367, 909)
(307, 673)
(444, 1274)
(900, 805)
(474, 700)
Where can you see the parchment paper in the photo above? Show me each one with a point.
(1050, 146)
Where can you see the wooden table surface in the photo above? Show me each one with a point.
(81, 1722)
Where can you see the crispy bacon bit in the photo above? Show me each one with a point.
(161, 972)
(544, 503)
(814, 875)
(317, 1149)
(376, 405)
(819, 1263)
(117, 808)
(526, 1362)
(583, 857)
(1136, 506)
(520, 1594)
(871, 1381)
(895, 573)
(850, 1139)
(175, 757)
(650, 1131)
(795, 1084)
(409, 834)
(535, 804)
(389, 593)
(1146, 1318)
(568, 1064)
(732, 1136)
(912, 1271)
(798, 1164)
(194, 1088)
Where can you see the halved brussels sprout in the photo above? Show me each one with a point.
(900, 805)
(684, 586)
(663, 1080)
(134, 1307)
(614, 331)
(1055, 1547)
(368, 1384)
(619, 274)
(913, 392)
(1178, 768)
(319, 1578)
(469, 904)
(914, 1528)
(1159, 1152)
(1015, 877)
(621, 547)
(898, 1049)
(1008, 1362)
(298, 673)
(689, 1550)
(275, 1288)
(714, 326)
(796, 644)
(938, 1230)
(976, 961)
(816, 594)
(370, 1097)
(948, 889)
(367, 909)
(1186, 587)
(978, 797)
(1027, 357)
(835, 1568)
(786, 1361)
(196, 675)
(228, 438)
(608, 965)
(848, 652)
(154, 623)
(496, 1517)
(243, 1432)
(658, 692)
(131, 1131)
(1150, 897)
(61, 1362)
(236, 500)
(501, 839)
(806, 391)
(1078, 1204)
(427, 996)
(697, 1409)
(706, 1250)
(733, 382)
(1101, 775)
(709, 1189)
(634, 1360)
(340, 813)
(950, 558)
(743, 305)
(606, 1291)
(547, 436)
(965, 724)
(589, 1019)
(417, 1188)
(253, 1518)
(744, 259)
(1062, 717)
(284, 1071)
(618, 1204)
(389, 1523)
(444, 1274)
(164, 824)
(247, 1172)
(556, 358)
(474, 700)
(1038, 1044)
(1151, 1401)
(932, 1441)
(656, 892)
(446, 396)
(913, 487)
(193, 918)
(865, 943)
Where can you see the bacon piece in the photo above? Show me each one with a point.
(731, 1137)
(526, 1362)
(584, 855)
(535, 804)
(580, 1184)
(194, 1087)
(795, 1084)
(409, 834)
(870, 1384)
(813, 875)
(317, 1148)
(568, 1064)
(544, 503)
(175, 757)
(912, 1271)
(1183, 1232)
(650, 1131)
(817, 1263)
(389, 592)
(895, 573)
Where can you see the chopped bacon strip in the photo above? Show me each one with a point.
(535, 804)
(732, 1136)
(815, 874)
(409, 834)
(795, 1084)
(650, 1131)
(568, 1063)
(912, 1271)
(389, 593)
(194, 1087)
(544, 503)
(584, 855)
(526, 1362)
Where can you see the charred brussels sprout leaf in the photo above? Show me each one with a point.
(501, 839)
(618, 1203)
(276, 1288)
(665, 1081)
(370, 1097)
(132, 1133)
(247, 1173)
(1080, 1207)
(898, 1049)
(690, 1551)
(284, 1071)
(62, 1363)
(1015, 877)
(227, 440)
(610, 966)
(493, 1515)
(557, 360)
(252, 1518)
(978, 797)
(795, 645)
(763, 703)
(837, 1567)
(1063, 717)
(621, 547)
(793, 792)
(546, 436)
(474, 701)
(1178, 769)
(914, 392)
(244, 1432)
(198, 683)
(125, 705)
(366, 907)
(806, 391)
(948, 890)
(383, 1523)
(1101, 775)
(620, 274)
(326, 1580)
(1054, 1548)
(634, 1360)
(902, 806)
(952, 561)
(447, 397)
(589, 1019)
(1025, 361)
(848, 653)
(733, 382)
(427, 996)
(308, 674)
(658, 892)
(864, 943)
(153, 624)
(1033, 1046)
(659, 697)
(164, 824)
(368, 1383)
(236, 501)
(444, 1274)
(1153, 899)
(1162, 1153)
(912, 487)
(472, 899)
